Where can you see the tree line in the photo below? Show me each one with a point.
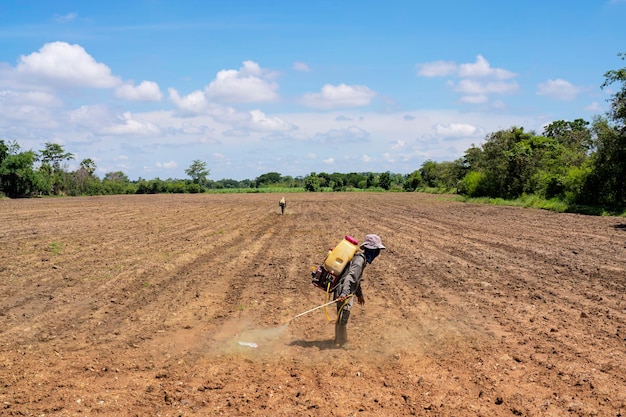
(577, 162)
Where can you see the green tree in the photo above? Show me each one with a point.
(52, 158)
(312, 182)
(88, 165)
(413, 181)
(17, 176)
(84, 180)
(606, 184)
(617, 113)
(198, 172)
(384, 180)
(428, 173)
(116, 183)
(270, 178)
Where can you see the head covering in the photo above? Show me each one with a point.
(373, 242)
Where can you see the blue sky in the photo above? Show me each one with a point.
(146, 87)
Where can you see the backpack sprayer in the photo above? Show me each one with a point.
(326, 276)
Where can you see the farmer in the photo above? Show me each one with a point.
(349, 285)
(282, 203)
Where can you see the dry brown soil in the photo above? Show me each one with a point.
(136, 306)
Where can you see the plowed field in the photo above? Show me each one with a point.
(145, 306)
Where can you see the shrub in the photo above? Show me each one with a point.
(473, 184)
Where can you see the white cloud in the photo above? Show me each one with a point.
(481, 68)
(167, 165)
(399, 144)
(128, 126)
(27, 109)
(191, 104)
(436, 69)
(33, 98)
(249, 84)
(68, 65)
(558, 89)
(90, 116)
(347, 134)
(338, 96)
(301, 66)
(260, 122)
(329, 161)
(146, 91)
(477, 87)
(65, 18)
(594, 106)
(456, 130)
(474, 99)
(477, 80)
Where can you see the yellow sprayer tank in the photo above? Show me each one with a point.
(339, 257)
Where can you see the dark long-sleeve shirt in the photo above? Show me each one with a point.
(350, 280)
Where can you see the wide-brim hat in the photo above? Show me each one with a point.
(373, 242)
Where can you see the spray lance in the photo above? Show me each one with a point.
(343, 300)
(313, 309)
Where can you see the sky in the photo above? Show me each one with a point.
(147, 87)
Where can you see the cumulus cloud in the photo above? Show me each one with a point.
(558, 89)
(339, 96)
(146, 91)
(456, 130)
(436, 69)
(127, 125)
(95, 118)
(399, 144)
(249, 84)
(27, 108)
(476, 80)
(65, 18)
(191, 104)
(481, 68)
(301, 66)
(476, 87)
(167, 165)
(68, 65)
(196, 103)
(474, 99)
(30, 98)
(347, 134)
(260, 122)
(594, 106)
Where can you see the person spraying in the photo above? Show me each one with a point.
(349, 285)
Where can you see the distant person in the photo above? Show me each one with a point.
(282, 203)
(349, 285)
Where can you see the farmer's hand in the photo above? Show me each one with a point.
(360, 299)
(341, 299)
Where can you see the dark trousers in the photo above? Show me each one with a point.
(341, 327)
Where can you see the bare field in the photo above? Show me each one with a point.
(144, 305)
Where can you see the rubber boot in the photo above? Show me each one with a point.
(341, 328)
(341, 335)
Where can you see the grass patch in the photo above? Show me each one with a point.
(553, 204)
(55, 247)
